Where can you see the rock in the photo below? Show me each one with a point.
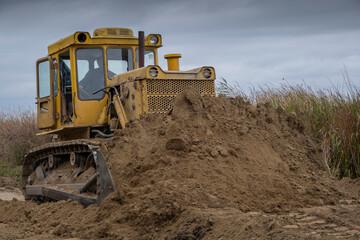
(177, 144)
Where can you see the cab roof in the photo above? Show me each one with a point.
(101, 36)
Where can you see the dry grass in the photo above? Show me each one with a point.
(17, 135)
(331, 116)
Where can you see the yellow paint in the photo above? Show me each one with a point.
(45, 105)
(156, 94)
(139, 90)
(102, 118)
(173, 61)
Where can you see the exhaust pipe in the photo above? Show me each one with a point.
(141, 49)
(173, 61)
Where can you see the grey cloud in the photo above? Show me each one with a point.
(248, 41)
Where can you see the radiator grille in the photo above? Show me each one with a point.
(165, 86)
(160, 104)
(162, 92)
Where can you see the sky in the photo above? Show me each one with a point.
(250, 43)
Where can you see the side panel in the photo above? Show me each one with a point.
(45, 93)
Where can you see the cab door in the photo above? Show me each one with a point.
(45, 93)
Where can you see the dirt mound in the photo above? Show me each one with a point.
(219, 152)
(212, 162)
(7, 182)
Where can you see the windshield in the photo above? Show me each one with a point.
(149, 57)
(90, 73)
(119, 60)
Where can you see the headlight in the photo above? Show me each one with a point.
(153, 72)
(207, 73)
(154, 40)
(81, 37)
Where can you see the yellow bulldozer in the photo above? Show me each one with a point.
(87, 87)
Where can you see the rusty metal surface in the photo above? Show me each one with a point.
(59, 195)
(141, 49)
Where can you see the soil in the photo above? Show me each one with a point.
(214, 168)
(9, 189)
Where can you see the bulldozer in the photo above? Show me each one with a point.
(87, 87)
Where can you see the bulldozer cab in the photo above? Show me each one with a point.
(77, 67)
(90, 85)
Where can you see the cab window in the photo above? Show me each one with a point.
(44, 79)
(119, 60)
(90, 73)
(149, 58)
(65, 88)
(65, 72)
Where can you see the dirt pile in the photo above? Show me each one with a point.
(9, 182)
(214, 167)
(219, 152)
(9, 189)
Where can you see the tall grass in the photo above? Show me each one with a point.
(17, 135)
(332, 117)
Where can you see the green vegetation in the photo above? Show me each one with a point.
(17, 135)
(9, 170)
(332, 117)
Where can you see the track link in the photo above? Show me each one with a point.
(67, 170)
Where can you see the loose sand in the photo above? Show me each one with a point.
(215, 168)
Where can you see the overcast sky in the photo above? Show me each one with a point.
(249, 42)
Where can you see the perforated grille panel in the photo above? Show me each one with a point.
(175, 86)
(160, 104)
(162, 92)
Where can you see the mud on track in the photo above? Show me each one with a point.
(215, 168)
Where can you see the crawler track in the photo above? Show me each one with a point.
(63, 170)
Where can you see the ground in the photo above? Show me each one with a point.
(338, 221)
(215, 168)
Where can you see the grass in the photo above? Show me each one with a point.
(17, 135)
(332, 117)
(7, 169)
